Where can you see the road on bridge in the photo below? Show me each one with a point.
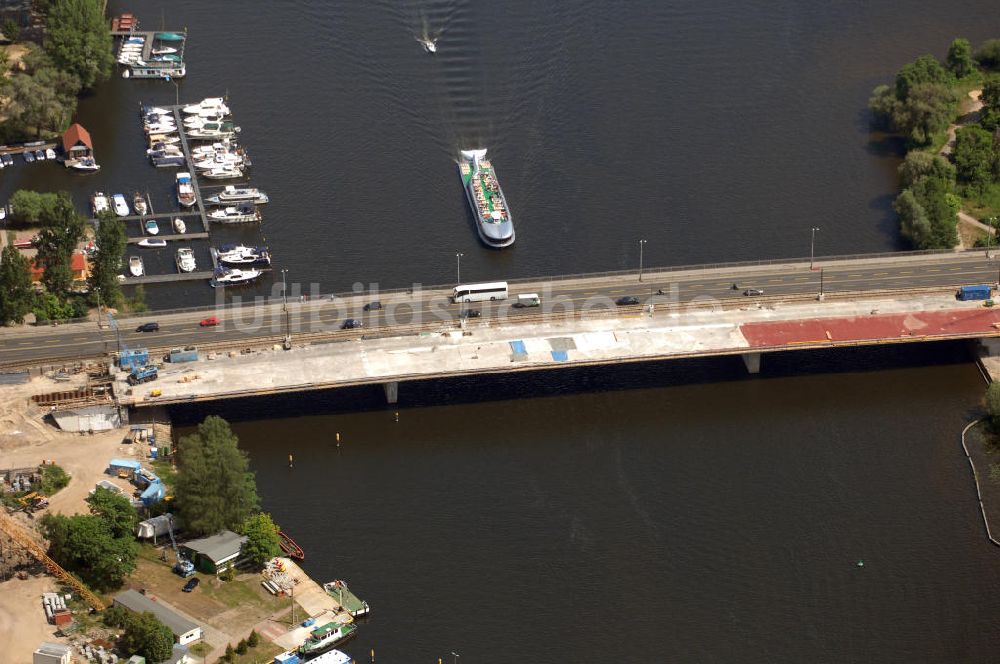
(253, 324)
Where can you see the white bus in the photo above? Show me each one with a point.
(480, 292)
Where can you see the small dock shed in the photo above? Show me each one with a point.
(215, 553)
(76, 143)
(183, 629)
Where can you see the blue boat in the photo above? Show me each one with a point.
(152, 228)
(169, 36)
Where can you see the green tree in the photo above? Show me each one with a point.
(928, 109)
(16, 292)
(989, 116)
(974, 156)
(254, 639)
(10, 29)
(78, 40)
(913, 222)
(884, 106)
(262, 539)
(106, 264)
(919, 164)
(83, 543)
(34, 106)
(116, 511)
(215, 489)
(993, 405)
(959, 58)
(925, 69)
(988, 54)
(241, 647)
(935, 197)
(147, 636)
(56, 243)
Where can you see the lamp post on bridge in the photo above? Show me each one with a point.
(812, 247)
(642, 244)
(458, 268)
(284, 308)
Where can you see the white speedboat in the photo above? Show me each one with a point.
(185, 190)
(99, 203)
(209, 103)
(139, 203)
(3, 212)
(164, 150)
(214, 130)
(430, 45)
(185, 260)
(242, 213)
(179, 226)
(85, 165)
(234, 277)
(219, 161)
(233, 194)
(161, 128)
(155, 110)
(163, 50)
(150, 242)
(238, 254)
(164, 139)
(120, 205)
(135, 266)
(152, 227)
(50, 154)
(223, 173)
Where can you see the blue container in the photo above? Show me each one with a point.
(309, 623)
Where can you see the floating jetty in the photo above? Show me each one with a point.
(350, 602)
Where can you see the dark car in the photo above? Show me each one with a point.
(39, 155)
(471, 313)
(191, 584)
(373, 306)
(351, 324)
(7, 160)
(753, 291)
(28, 157)
(148, 327)
(627, 300)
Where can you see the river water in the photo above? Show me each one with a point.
(666, 512)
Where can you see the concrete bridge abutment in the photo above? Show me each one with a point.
(391, 391)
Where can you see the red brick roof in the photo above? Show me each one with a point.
(76, 134)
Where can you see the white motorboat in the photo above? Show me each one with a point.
(233, 194)
(139, 203)
(164, 139)
(214, 130)
(99, 203)
(185, 190)
(3, 212)
(164, 150)
(242, 213)
(135, 266)
(85, 165)
(185, 260)
(50, 154)
(152, 227)
(161, 128)
(430, 45)
(215, 103)
(155, 110)
(238, 254)
(120, 205)
(150, 242)
(234, 277)
(179, 226)
(163, 50)
(219, 161)
(223, 173)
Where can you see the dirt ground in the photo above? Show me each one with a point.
(22, 619)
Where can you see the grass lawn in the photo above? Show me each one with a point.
(985, 204)
(264, 652)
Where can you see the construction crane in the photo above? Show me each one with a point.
(13, 530)
(184, 567)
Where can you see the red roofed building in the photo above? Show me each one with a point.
(78, 266)
(76, 142)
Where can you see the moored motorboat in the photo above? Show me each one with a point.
(215, 103)
(290, 546)
(135, 267)
(163, 50)
(238, 254)
(169, 36)
(242, 213)
(430, 45)
(223, 173)
(185, 190)
(486, 199)
(233, 194)
(179, 226)
(120, 205)
(150, 242)
(185, 260)
(168, 160)
(326, 637)
(50, 154)
(214, 130)
(85, 165)
(152, 227)
(234, 277)
(99, 203)
(139, 203)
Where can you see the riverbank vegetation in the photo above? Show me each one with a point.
(941, 179)
(39, 85)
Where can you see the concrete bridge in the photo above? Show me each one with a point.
(683, 312)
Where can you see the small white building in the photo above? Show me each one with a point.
(183, 629)
(52, 653)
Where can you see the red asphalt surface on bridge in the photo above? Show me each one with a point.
(875, 327)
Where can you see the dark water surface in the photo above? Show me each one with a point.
(717, 131)
(698, 516)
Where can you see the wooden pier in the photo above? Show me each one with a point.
(171, 238)
(147, 44)
(168, 278)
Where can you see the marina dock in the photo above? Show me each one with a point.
(172, 238)
(168, 278)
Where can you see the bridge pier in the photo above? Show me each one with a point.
(391, 391)
(752, 362)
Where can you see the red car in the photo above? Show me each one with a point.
(211, 321)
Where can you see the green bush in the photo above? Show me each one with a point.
(254, 639)
(241, 647)
(54, 478)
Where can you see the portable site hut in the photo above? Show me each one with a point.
(184, 630)
(155, 527)
(130, 465)
(52, 653)
(216, 553)
(154, 493)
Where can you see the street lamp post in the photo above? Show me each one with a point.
(812, 247)
(458, 268)
(455, 656)
(820, 298)
(284, 305)
(642, 243)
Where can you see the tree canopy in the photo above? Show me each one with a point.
(84, 544)
(16, 293)
(106, 264)
(115, 510)
(920, 104)
(988, 54)
(145, 635)
(56, 243)
(215, 490)
(959, 58)
(974, 156)
(78, 40)
(262, 539)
